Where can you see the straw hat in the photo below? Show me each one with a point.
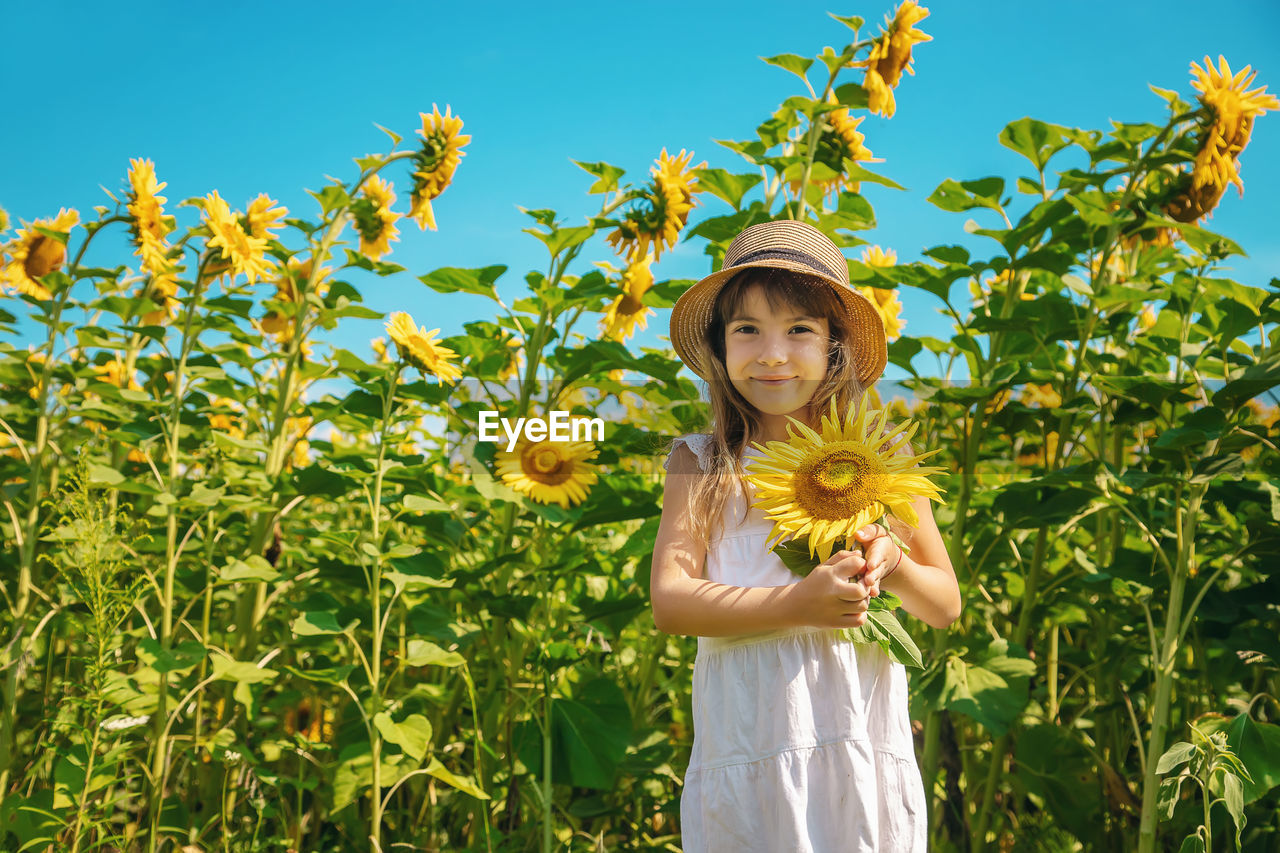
(785, 244)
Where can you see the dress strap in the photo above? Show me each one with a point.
(699, 443)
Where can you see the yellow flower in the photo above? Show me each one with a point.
(4, 220)
(627, 311)
(669, 200)
(826, 485)
(1232, 107)
(891, 55)
(231, 424)
(998, 402)
(33, 255)
(244, 252)
(436, 162)
(163, 291)
(263, 216)
(374, 218)
(549, 471)
(289, 289)
(1147, 319)
(416, 346)
(1000, 281)
(146, 207)
(1042, 454)
(874, 256)
(379, 346)
(1042, 396)
(885, 300)
(113, 373)
(838, 141)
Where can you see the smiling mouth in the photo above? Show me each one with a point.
(774, 381)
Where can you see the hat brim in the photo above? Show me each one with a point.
(691, 317)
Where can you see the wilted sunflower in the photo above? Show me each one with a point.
(669, 200)
(1232, 107)
(416, 346)
(549, 471)
(890, 56)
(32, 255)
(628, 311)
(245, 252)
(436, 162)
(375, 220)
(262, 216)
(826, 485)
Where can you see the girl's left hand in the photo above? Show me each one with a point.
(880, 553)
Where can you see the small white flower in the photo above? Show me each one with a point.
(120, 723)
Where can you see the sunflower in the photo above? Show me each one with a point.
(1232, 108)
(262, 216)
(146, 207)
(238, 250)
(112, 372)
(437, 161)
(4, 220)
(231, 424)
(826, 485)
(379, 346)
(375, 220)
(288, 289)
(32, 255)
(669, 198)
(874, 256)
(840, 140)
(891, 55)
(1041, 396)
(628, 311)
(416, 346)
(885, 299)
(549, 471)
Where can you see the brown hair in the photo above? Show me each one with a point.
(734, 421)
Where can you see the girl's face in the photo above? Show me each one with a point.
(775, 360)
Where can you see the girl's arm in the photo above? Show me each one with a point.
(925, 579)
(686, 603)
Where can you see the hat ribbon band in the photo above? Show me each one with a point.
(787, 255)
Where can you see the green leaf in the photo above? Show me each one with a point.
(1233, 794)
(956, 196)
(725, 185)
(241, 672)
(253, 568)
(183, 657)
(454, 280)
(853, 22)
(462, 783)
(1036, 140)
(1257, 745)
(894, 639)
(1192, 844)
(992, 689)
(316, 623)
(794, 554)
(590, 734)
(103, 475)
(559, 239)
(413, 734)
(1179, 753)
(797, 65)
(335, 675)
(606, 176)
(423, 653)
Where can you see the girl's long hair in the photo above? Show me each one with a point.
(734, 421)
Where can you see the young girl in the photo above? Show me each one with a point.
(802, 740)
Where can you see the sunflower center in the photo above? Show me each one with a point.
(838, 482)
(629, 305)
(546, 465)
(44, 256)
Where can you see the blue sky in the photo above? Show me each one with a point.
(272, 97)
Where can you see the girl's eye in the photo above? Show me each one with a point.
(801, 328)
(745, 329)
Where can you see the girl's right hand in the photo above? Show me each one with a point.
(827, 599)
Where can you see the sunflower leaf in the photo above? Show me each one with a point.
(794, 554)
(894, 639)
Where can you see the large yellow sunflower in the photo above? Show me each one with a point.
(32, 255)
(442, 146)
(418, 348)
(628, 311)
(549, 471)
(375, 220)
(826, 485)
(245, 252)
(668, 202)
(890, 56)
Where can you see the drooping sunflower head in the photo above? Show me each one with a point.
(664, 210)
(32, 254)
(263, 218)
(374, 218)
(891, 55)
(826, 484)
(146, 208)
(435, 163)
(549, 471)
(628, 311)
(839, 140)
(416, 345)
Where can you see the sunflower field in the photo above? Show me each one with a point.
(241, 615)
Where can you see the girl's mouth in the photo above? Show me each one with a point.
(773, 381)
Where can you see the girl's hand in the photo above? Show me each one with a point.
(827, 598)
(881, 556)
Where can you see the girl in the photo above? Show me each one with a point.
(802, 740)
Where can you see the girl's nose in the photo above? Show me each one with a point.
(773, 350)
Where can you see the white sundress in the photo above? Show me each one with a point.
(802, 738)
